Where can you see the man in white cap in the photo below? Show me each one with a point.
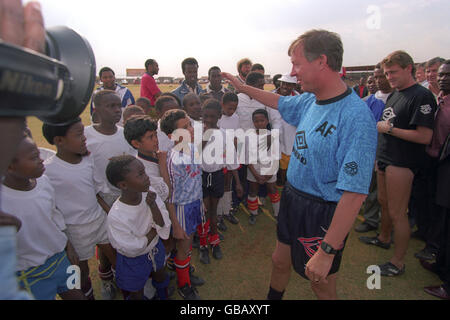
(287, 134)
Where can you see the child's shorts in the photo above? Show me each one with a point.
(303, 222)
(213, 184)
(190, 216)
(84, 237)
(47, 280)
(133, 273)
(251, 177)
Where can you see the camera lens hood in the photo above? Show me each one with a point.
(75, 52)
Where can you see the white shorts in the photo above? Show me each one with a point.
(251, 177)
(84, 237)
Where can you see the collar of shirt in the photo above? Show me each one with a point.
(186, 88)
(208, 89)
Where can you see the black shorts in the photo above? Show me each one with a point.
(303, 222)
(383, 165)
(213, 184)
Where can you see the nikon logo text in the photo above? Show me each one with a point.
(20, 83)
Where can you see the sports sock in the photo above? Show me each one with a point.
(105, 275)
(213, 239)
(275, 199)
(182, 268)
(88, 290)
(161, 288)
(202, 230)
(252, 205)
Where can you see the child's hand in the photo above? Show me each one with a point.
(72, 256)
(151, 198)
(161, 155)
(178, 232)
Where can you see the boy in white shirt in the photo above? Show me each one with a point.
(165, 103)
(44, 253)
(229, 120)
(71, 173)
(137, 222)
(213, 179)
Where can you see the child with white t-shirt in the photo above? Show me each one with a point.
(71, 173)
(228, 121)
(137, 222)
(44, 253)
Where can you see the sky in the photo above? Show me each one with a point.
(123, 34)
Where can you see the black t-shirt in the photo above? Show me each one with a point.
(406, 109)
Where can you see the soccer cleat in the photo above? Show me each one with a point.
(217, 252)
(108, 290)
(188, 293)
(389, 270)
(375, 241)
(204, 255)
(252, 219)
(231, 218)
(221, 224)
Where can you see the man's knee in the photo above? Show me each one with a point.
(281, 261)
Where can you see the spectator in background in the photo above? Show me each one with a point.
(243, 67)
(215, 88)
(149, 88)
(420, 74)
(276, 81)
(189, 66)
(371, 86)
(376, 103)
(431, 69)
(258, 68)
(361, 89)
(107, 76)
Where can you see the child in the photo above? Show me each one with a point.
(229, 120)
(145, 104)
(192, 106)
(163, 104)
(186, 195)
(130, 111)
(213, 177)
(262, 172)
(136, 222)
(43, 250)
(105, 140)
(71, 173)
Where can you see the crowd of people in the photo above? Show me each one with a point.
(140, 193)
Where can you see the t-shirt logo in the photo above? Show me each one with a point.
(426, 109)
(388, 114)
(300, 138)
(351, 168)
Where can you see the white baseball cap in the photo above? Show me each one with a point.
(288, 78)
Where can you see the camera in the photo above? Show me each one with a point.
(55, 87)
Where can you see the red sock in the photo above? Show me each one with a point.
(213, 239)
(182, 269)
(202, 231)
(105, 275)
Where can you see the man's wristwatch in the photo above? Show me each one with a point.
(327, 248)
(390, 128)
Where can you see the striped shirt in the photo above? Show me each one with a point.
(185, 177)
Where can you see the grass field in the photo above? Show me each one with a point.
(244, 271)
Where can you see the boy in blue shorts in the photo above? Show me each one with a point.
(136, 223)
(186, 194)
(44, 253)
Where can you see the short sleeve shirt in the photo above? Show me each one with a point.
(335, 144)
(406, 109)
(149, 88)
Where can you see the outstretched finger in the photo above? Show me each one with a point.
(11, 22)
(34, 27)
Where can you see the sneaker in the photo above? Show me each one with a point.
(188, 293)
(230, 217)
(375, 241)
(108, 290)
(425, 254)
(390, 270)
(196, 241)
(204, 255)
(221, 237)
(196, 281)
(252, 219)
(221, 224)
(217, 252)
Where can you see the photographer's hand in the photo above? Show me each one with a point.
(22, 25)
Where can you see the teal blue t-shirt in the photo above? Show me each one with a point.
(335, 144)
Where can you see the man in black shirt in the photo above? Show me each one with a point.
(406, 127)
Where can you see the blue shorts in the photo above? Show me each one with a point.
(190, 216)
(133, 273)
(47, 280)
